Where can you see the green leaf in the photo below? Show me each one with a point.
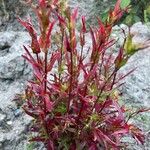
(125, 3)
(104, 17)
(122, 63)
(30, 146)
(128, 46)
(61, 108)
(129, 20)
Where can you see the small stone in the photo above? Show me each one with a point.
(9, 122)
(2, 117)
(2, 138)
(17, 131)
(17, 112)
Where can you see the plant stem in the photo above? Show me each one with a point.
(45, 71)
(61, 51)
(113, 82)
(101, 91)
(71, 78)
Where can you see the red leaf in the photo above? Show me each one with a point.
(38, 73)
(102, 32)
(117, 13)
(49, 103)
(137, 133)
(35, 66)
(38, 70)
(82, 33)
(93, 147)
(93, 40)
(67, 44)
(100, 136)
(120, 116)
(46, 41)
(50, 145)
(72, 147)
(61, 19)
(29, 113)
(74, 15)
(42, 3)
(49, 33)
(37, 89)
(117, 7)
(34, 113)
(55, 56)
(83, 24)
(34, 45)
(122, 131)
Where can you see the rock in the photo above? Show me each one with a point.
(14, 71)
(9, 122)
(136, 88)
(14, 130)
(13, 68)
(137, 84)
(141, 29)
(9, 11)
(2, 117)
(7, 39)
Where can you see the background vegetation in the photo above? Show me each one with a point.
(140, 10)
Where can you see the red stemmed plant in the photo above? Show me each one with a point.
(72, 97)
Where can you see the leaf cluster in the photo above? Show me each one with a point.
(73, 98)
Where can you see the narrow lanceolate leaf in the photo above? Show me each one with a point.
(120, 114)
(34, 45)
(48, 102)
(117, 12)
(121, 132)
(68, 44)
(83, 24)
(34, 113)
(94, 44)
(62, 20)
(38, 69)
(55, 57)
(129, 46)
(45, 40)
(72, 23)
(74, 15)
(93, 147)
(120, 59)
(99, 136)
(117, 8)
(137, 133)
(37, 88)
(102, 31)
(30, 58)
(50, 145)
(125, 3)
(42, 3)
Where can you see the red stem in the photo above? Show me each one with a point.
(70, 88)
(114, 73)
(45, 77)
(113, 82)
(61, 51)
(82, 104)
